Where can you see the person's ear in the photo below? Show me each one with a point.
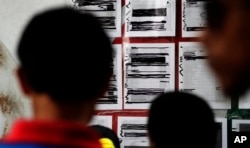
(22, 80)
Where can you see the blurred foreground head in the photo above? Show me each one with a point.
(227, 40)
(66, 55)
(177, 118)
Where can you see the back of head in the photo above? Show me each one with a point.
(66, 54)
(177, 118)
(108, 133)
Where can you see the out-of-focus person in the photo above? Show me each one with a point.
(180, 119)
(227, 42)
(65, 59)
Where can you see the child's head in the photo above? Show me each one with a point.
(66, 55)
(178, 118)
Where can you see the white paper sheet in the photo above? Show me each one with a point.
(133, 132)
(196, 77)
(237, 125)
(113, 97)
(150, 18)
(222, 133)
(193, 18)
(148, 72)
(104, 120)
(107, 11)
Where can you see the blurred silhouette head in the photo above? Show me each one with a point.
(227, 42)
(65, 54)
(177, 118)
(109, 138)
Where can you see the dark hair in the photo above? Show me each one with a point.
(217, 11)
(106, 132)
(177, 118)
(66, 54)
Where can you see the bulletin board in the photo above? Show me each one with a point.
(157, 50)
(157, 47)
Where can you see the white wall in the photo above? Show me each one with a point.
(13, 104)
(14, 14)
